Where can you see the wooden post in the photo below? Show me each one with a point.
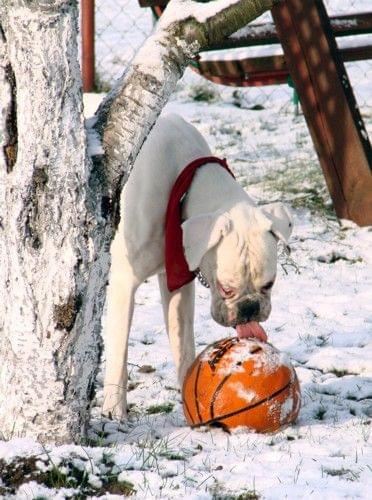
(87, 44)
(329, 105)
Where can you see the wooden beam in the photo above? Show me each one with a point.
(265, 70)
(358, 23)
(265, 33)
(329, 105)
(361, 53)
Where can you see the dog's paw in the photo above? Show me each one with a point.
(114, 406)
(116, 414)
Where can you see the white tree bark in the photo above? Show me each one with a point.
(50, 306)
(57, 213)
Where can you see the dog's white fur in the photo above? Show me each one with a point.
(224, 234)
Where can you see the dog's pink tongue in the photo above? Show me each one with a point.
(251, 330)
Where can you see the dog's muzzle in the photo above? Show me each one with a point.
(247, 311)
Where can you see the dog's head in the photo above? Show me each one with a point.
(236, 251)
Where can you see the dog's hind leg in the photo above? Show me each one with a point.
(178, 308)
(120, 303)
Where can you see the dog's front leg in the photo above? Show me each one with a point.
(178, 308)
(120, 303)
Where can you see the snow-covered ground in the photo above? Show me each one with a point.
(321, 317)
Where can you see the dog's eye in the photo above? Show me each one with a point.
(267, 287)
(226, 291)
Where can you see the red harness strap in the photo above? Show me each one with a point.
(177, 270)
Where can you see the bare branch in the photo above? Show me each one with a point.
(130, 111)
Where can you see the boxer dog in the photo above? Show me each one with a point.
(225, 237)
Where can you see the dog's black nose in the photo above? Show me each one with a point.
(247, 310)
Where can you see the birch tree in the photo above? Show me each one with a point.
(58, 206)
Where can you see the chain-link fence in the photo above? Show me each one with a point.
(122, 26)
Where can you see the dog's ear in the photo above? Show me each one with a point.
(201, 233)
(281, 218)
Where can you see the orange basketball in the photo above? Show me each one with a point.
(241, 382)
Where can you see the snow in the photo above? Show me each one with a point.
(19, 446)
(178, 10)
(156, 43)
(243, 393)
(94, 145)
(266, 359)
(321, 319)
(286, 409)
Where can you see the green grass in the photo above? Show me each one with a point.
(243, 495)
(203, 93)
(100, 84)
(322, 340)
(162, 408)
(218, 491)
(66, 475)
(348, 474)
(172, 455)
(319, 415)
(302, 184)
(339, 373)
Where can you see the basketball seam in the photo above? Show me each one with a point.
(216, 393)
(188, 411)
(223, 349)
(196, 393)
(223, 381)
(256, 349)
(228, 344)
(245, 408)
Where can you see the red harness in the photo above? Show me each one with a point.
(177, 270)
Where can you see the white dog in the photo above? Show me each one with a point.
(231, 241)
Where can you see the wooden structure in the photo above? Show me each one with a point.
(315, 64)
(329, 106)
(268, 70)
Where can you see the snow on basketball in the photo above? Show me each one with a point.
(241, 382)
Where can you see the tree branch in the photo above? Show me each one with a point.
(208, 26)
(127, 115)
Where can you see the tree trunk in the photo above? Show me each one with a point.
(57, 214)
(50, 306)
